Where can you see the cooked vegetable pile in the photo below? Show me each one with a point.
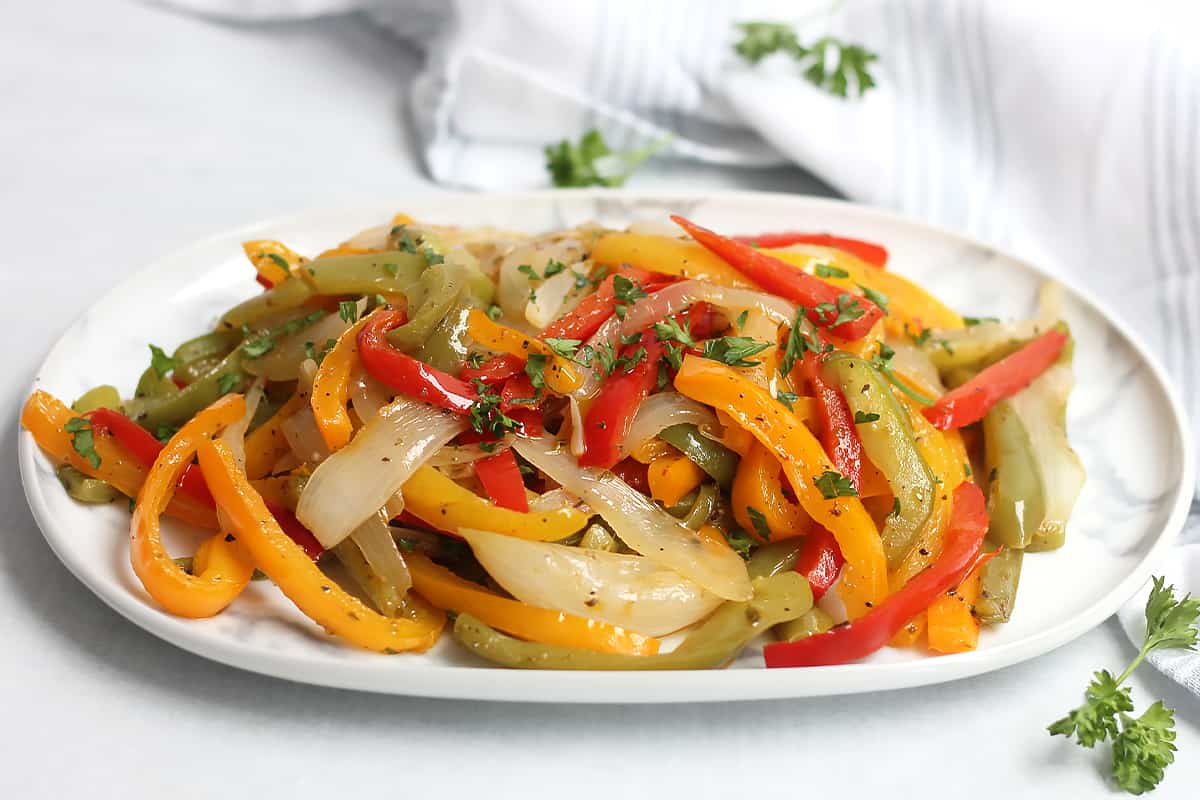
(577, 444)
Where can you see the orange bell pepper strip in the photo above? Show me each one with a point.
(864, 581)
(286, 563)
(561, 375)
(757, 485)
(331, 389)
(345, 250)
(439, 501)
(46, 417)
(911, 633)
(672, 476)
(266, 444)
(444, 589)
(666, 255)
(275, 261)
(224, 568)
(952, 626)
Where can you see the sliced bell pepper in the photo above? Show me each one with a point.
(634, 473)
(225, 568)
(757, 485)
(874, 254)
(501, 479)
(266, 443)
(971, 401)
(518, 393)
(824, 303)
(687, 259)
(864, 582)
(820, 560)
(273, 260)
(145, 448)
(595, 309)
(838, 431)
(405, 374)
(607, 421)
(446, 505)
(295, 530)
(952, 625)
(865, 635)
(331, 388)
(496, 370)
(46, 418)
(561, 376)
(290, 568)
(673, 476)
(446, 590)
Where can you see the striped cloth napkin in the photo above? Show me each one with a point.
(1065, 132)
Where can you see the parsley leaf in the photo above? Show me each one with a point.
(670, 330)
(787, 399)
(591, 162)
(485, 415)
(258, 346)
(833, 485)
(828, 63)
(802, 338)
(564, 347)
(280, 261)
(741, 542)
(895, 507)
(1144, 749)
(830, 271)
(626, 292)
(553, 267)
(431, 257)
(606, 356)
(1170, 623)
(878, 298)
(741, 319)
(227, 383)
(403, 241)
(628, 362)
(863, 417)
(1096, 719)
(535, 368)
(883, 363)
(847, 309)
(525, 269)
(759, 521)
(474, 359)
(970, 322)
(734, 350)
(161, 362)
(581, 280)
(83, 440)
(919, 339)
(348, 311)
(494, 312)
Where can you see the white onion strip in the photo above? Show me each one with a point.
(356, 481)
(630, 591)
(641, 524)
(374, 540)
(663, 410)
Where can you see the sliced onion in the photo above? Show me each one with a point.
(976, 343)
(375, 238)
(374, 539)
(356, 481)
(457, 455)
(281, 363)
(915, 364)
(367, 396)
(577, 442)
(641, 524)
(630, 591)
(235, 434)
(304, 437)
(555, 499)
(663, 410)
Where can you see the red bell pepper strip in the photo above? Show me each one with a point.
(869, 252)
(405, 374)
(264, 281)
(783, 279)
(501, 479)
(518, 392)
(820, 561)
(495, 370)
(839, 434)
(145, 448)
(868, 633)
(594, 310)
(531, 421)
(971, 401)
(634, 473)
(296, 531)
(607, 421)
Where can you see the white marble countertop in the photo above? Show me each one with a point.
(128, 131)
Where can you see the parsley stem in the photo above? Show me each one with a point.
(902, 386)
(1141, 656)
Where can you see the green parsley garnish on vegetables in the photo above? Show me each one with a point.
(829, 271)
(592, 162)
(535, 368)
(863, 417)
(626, 292)
(734, 350)
(883, 363)
(161, 362)
(348, 311)
(787, 399)
(741, 542)
(847, 309)
(970, 322)
(670, 330)
(485, 415)
(83, 440)
(833, 485)
(759, 521)
(799, 342)
(878, 298)
(1142, 747)
(227, 383)
(829, 63)
(259, 346)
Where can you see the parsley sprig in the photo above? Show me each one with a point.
(835, 66)
(1142, 747)
(883, 363)
(485, 415)
(83, 439)
(591, 162)
(734, 350)
(833, 485)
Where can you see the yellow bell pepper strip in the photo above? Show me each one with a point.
(653, 449)
(757, 485)
(273, 490)
(671, 477)
(953, 627)
(222, 567)
(864, 580)
(346, 250)
(266, 444)
(740, 440)
(666, 255)
(911, 633)
(331, 389)
(46, 418)
(286, 563)
(274, 260)
(442, 503)
(444, 589)
(562, 377)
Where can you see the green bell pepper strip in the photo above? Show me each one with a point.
(429, 300)
(713, 643)
(1016, 500)
(701, 510)
(103, 396)
(998, 581)
(810, 623)
(381, 593)
(714, 458)
(151, 386)
(84, 488)
(195, 397)
(374, 273)
(774, 558)
(196, 357)
(889, 442)
(447, 346)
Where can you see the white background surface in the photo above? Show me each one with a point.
(125, 132)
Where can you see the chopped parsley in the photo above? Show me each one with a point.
(895, 507)
(83, 440)
(847, 309)
(348, 311)
(626, 292)
(833, 485)
(485, 415)
(431, 257)
(863, 417)
(802, 338)
(161, 363)
(280, 261)
(669, 330)
(310, 350)
(788, 399)
(759, 521)
(258, 346)
(741, 319)
(494, 312)
(566, 348)
(878, 298)
(164, 432)
(741, 542)
(919, 339)
(535, 368)
(553, 267)
(830, 64)
(734, 350)
(830, 271)
(883, 363)
(227, 383)
(973, 321)
(474, 359)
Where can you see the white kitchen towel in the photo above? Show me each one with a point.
(1067, 132)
